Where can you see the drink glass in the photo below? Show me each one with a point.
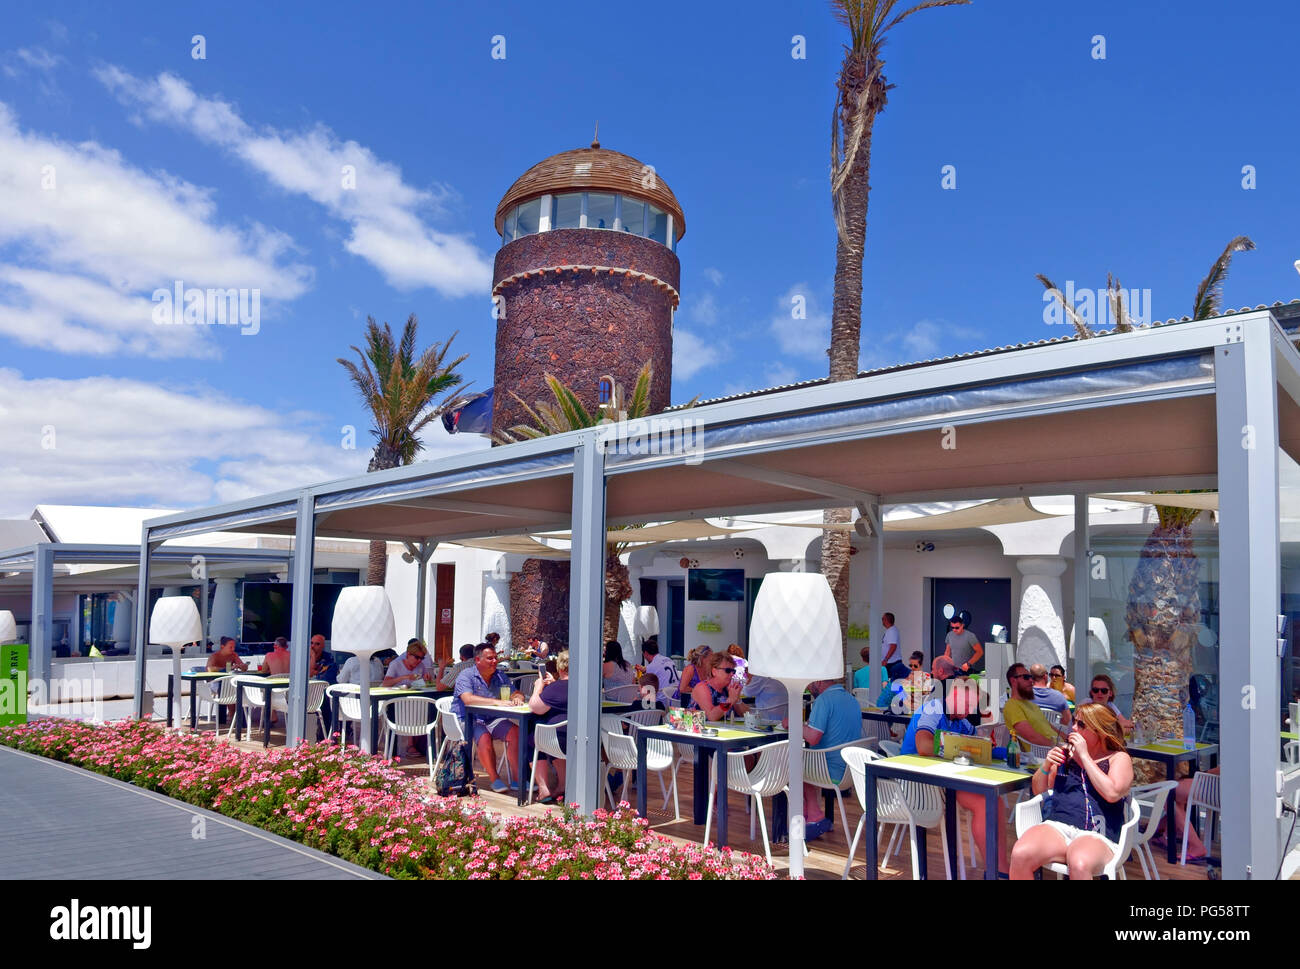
(505, 693)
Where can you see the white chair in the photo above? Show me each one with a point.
(890, 748)
(1051, 716)
(767, 779)
(899, 803)
(816, 771)
(862, 695)
(450, 725)
(1204, 795)
(408, 716)
(1151, 800)
(315, 700)
(620, 751)
(1030, 813)
(626, 693)
(877, 730)
(546, 740)
(349, 712)
(254, 701)
(220, 693)
(526, 684)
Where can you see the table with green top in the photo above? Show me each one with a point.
(268, 685)
(992, 782)
(885, 715)
(378, 695)
(523, 715)
(1169, 753)
(727, 739)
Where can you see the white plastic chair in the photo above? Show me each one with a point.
(816, 771)
(349, 712)
(1204, 795)
(1030, 813)
(451, 727)
(620, 751)
(1151, 800)
(862, 695)
(626, 693)
(897, 802)
(546, 740)
(315, 700)
(220, 692)
(767, 779)
(408, 716)
(254, 701)
(890, 748)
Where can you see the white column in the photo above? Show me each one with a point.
(496, 602)
(1040, 633)
(222, 621)
(123, 620)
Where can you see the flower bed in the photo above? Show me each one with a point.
(362, 810)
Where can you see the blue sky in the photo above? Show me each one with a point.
(222, 171)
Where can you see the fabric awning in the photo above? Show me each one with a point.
(516, 545)
(1002, 511)
(1205, 501)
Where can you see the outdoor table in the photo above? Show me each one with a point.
(524, 717)
(194, 675)
(378, 694)
(1169, 753)
(991, 781)
(728, 739)
(885, 716)
(267, 684)
(614, 706)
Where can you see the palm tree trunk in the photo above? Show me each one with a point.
(377, 566)
(846, 312)
(618, 589)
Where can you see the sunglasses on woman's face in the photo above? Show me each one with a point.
(724, 669)
(1099, 689)
(915, 666)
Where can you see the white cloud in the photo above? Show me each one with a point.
(127, 442)
(691, 354)
(703, 310)
(778, 374)
(85, 239)
(800, 326)
(924, 340)
(713, 275)
(382, 210)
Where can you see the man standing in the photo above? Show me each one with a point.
(480, 688)
(893, 658)
(963, 652)
(1046, 697)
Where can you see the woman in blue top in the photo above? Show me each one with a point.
(718, 690)
(1085, 811)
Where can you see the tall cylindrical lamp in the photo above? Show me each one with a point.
(794, 637)
(647, 622)
(175, 622)
(363, 625)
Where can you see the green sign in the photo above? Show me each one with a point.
(13, 684)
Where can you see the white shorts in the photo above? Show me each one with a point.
(1069, 832)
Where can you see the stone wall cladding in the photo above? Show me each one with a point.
(581, 325)
(539, 601)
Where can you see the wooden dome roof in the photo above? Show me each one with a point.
(585, 169)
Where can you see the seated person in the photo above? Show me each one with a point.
(960, 700)
(411, 666)
(862, 678)
(1103, 691)
(447, 681)
(649, 687)
(1056, 680)
(835, 719)
(661, 667)
(551, 699)
(322, 665)
(478, 689)
(276, 662)
(226, 656)
(351, 671)
(1048, 698)
(719, 691)
(691, 671)
(1089, 788)
(617, 678)
(1023, 715)
(771, 698)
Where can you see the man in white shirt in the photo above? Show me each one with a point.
(351, 671)
(662, 668)
(893, 658)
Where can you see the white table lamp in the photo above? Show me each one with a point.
(363, 625)
(794, 637)
(647, 622)
(8, 628)
(175, 622)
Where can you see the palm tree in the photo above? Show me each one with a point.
(861, 95)
(403, 393)
(566, 412)
(1163, 612)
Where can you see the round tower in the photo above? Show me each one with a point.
(586, 280)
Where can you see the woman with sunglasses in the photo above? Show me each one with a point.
(1083, 817)
(1103, 691)
(718, 691)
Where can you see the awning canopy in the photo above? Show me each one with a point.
(1205, 501)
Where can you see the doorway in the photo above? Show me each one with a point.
(676, 617)
(444, 602)
(987, 600)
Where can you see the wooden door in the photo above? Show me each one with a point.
(443, 611)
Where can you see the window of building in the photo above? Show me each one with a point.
(568, 211)
(600, 211)
(529, 215)
(632, 215)
(606, 390)
(591, 210)
(657, 224)
(508, 234)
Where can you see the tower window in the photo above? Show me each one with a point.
(606, 390)
(600, 211)
(568, 211)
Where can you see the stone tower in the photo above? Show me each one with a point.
(586, 280)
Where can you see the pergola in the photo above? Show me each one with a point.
(39, 560)
(1202, 404)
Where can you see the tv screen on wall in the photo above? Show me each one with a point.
(717, 585)
(268, 607)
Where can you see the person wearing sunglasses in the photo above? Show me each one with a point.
(1103, 691)
(963, 652)
(718, 691)
(1022, 714)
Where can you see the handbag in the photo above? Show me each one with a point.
(453, 778)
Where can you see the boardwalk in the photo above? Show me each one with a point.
(65, 823)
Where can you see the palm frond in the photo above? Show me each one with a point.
(1081, 326)
(1209, 295)
(1118, 313)
(639, 406)
(920, 6)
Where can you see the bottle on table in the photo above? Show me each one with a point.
(1189, 728)
(1013, 749)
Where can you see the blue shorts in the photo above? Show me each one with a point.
(498, 729)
